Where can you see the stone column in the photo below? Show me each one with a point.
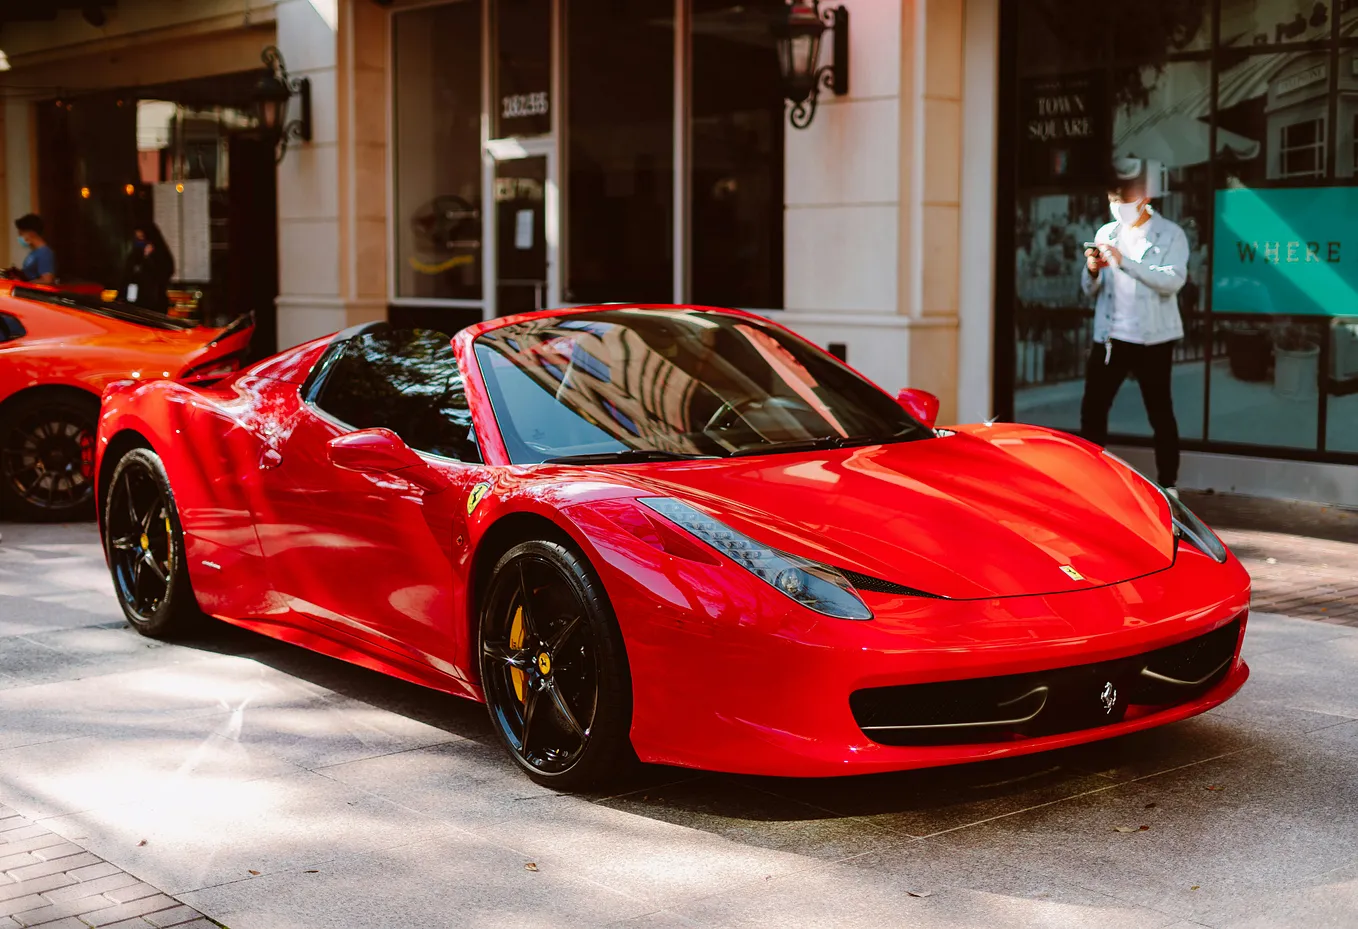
(332, 190)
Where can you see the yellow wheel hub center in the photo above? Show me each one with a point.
(545, 663)
(145, 543)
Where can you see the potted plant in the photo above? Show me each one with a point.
(1296, 367)
(1250, 353)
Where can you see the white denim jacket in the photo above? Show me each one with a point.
(1161, 270)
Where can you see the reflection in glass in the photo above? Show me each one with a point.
(681, 383)
(437, 83)
(1272, 110)
(1341, 427)
(408, 381)
(736, 242)
(620, 157)
(523, 68)
(1265, 22)
(1265, 374)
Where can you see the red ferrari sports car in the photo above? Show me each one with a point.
(58, 351)
(671, 533)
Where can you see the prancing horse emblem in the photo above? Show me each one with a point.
(1109, 697)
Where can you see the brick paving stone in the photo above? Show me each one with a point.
(141, 907)
(136, 922)
(17, 836)
(131, 892)
(70, 922)
(175, 917)
(62, 849)
(7, 923)
(56, 866)
(45, 912)
(98, 869)
(39, 885)
(91, 888)
(18, 905)
(9, 862)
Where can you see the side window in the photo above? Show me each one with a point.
(405, 380)
(11, 328)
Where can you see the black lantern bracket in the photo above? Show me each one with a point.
(803, 89)
(276, 91)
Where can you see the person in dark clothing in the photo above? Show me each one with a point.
(40, 265)
(149, 267)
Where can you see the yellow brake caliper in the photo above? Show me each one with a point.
(517, 634)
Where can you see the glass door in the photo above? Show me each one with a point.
(525, 218)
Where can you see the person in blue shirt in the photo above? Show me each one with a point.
(40, 266)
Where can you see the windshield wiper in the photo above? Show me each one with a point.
(808, 445)
(624, 456)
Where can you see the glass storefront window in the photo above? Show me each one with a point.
(737, 128)
(620, 151)
(1270, 22)
(437, 82)
(523, 68)
(1260, 147)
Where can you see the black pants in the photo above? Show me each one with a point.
(1151, 364)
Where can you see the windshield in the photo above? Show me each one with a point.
(636, 385)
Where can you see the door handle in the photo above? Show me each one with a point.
(270, 458)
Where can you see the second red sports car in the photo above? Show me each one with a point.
(673, 533)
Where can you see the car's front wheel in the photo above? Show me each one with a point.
(145, 547)
(554, 669)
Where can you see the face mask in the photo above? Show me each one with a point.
(1125, 213)
(22, 243)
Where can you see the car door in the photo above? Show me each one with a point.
(376, 558)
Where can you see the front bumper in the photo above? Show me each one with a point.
(729, 675)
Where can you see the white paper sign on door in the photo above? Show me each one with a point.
(523, 230)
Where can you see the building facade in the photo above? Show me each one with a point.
(471, 158)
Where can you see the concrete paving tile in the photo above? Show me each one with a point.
(73, 775)
(1165, 748)
(866, 897)
(936, 799)
(1269, 632)
(465, 783)
(331, 729)
(649, 860)
(1322, 901)
(212, 831)
(661, 919)
(736, 810)
(1316, 678)
(131, 703)
(1201, 850)
(458, 880)
(71, 654)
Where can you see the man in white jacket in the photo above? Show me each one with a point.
(1135, 270)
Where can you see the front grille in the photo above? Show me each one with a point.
(1020, 706)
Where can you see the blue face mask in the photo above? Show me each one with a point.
(22, 243)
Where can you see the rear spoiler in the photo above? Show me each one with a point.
(224, 355)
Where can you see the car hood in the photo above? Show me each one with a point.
(988, 512)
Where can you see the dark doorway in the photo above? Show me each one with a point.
(252, 229)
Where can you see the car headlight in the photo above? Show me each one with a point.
(1194, 530)
(814, 585)
(1186, 524)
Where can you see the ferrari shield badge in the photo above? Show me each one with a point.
(477, 494)
(1072, 573)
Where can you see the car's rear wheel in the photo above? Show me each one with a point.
(145, 546)
(554, 668)
(47, 457)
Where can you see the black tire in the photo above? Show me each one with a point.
(565, 647)
(47, 457)
(144, 542)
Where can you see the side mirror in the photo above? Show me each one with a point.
(920, 404)
(381, 451)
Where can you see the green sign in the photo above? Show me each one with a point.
(1286, 251)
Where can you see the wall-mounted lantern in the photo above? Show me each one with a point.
(799, 34)
(273, 93)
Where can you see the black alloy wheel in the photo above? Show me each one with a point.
(145, 547)
(554, 669)
(47, 458)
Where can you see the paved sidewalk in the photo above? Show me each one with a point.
(49, 882)
(270, 788)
